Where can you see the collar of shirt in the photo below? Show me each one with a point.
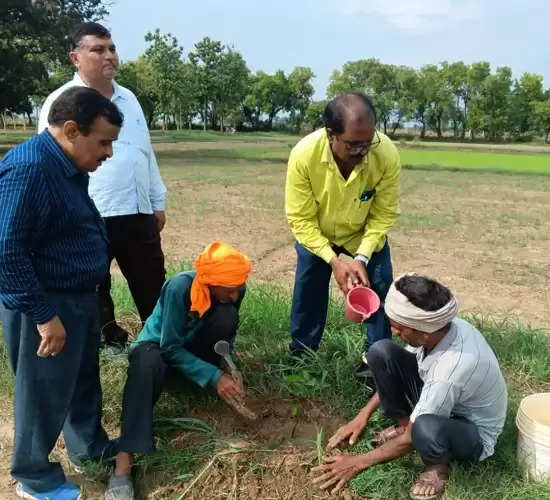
(116, 88)
(439, 349)
(69, 168)
(327, 157)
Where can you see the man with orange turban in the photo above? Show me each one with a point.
(195, 310)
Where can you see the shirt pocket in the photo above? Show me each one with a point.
(358, 212)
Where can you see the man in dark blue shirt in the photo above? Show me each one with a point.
(53, 255)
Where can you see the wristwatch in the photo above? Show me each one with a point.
(362, 258)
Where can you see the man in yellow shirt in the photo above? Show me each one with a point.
(342, 197)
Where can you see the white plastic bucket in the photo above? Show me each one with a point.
(533, 422)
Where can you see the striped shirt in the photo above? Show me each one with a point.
(462, 378)
(52, 237)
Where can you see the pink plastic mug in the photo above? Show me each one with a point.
(361, 303)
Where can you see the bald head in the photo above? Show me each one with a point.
(347, 109)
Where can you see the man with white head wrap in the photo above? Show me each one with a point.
(445, 390)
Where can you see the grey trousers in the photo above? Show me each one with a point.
(58, 393)
(437, 438)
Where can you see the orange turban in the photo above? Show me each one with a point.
(218, 265)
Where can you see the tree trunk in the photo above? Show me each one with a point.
(205, 116)
(423, 131)
(396, 125)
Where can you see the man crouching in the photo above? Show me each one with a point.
(194, 311)
(445, 390)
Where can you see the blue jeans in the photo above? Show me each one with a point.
(310, 299)
(58, 393)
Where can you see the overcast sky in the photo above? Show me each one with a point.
(324, 34)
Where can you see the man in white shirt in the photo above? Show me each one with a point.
(128, 190)
(445, 391)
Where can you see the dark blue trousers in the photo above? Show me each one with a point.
(57, 393)
(311, 294)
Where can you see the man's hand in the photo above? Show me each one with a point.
(351, 430)
(53, 337)
(338, 471)
(160, 215)
(350, 274)
(229, 388)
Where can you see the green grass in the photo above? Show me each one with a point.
(214, 136)
(510, 163)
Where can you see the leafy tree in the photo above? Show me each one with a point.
(138, 76)
(456, 75)
(372, 78)
(406, 85)
(205, 60)
(32, 34)
(490, 109)
(438, 96)
(541, 116)
(231, 86)
(164, 56)
(275, 95)
(252, 104)
(301, 92)
(314, 114)
(475, 78)
(526, 93)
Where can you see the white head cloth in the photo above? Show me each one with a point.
(399, 309)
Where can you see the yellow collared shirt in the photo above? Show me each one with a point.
(324, 209)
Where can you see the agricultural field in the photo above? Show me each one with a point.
(474, 217)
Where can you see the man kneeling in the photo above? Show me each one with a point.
(194, 311)
(445, 391)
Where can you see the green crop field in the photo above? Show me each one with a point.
(497, 162)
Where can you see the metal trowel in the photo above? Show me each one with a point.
(222, 348)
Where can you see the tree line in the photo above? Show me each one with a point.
(212, 86)
(466, 99)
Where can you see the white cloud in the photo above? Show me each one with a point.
(415, 15)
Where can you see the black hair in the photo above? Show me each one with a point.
(423, 292)
(336, 109)
(83, 105)
(85, 29)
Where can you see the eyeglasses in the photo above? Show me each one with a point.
(362, 146)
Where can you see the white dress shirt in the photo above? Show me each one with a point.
(129, 182)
